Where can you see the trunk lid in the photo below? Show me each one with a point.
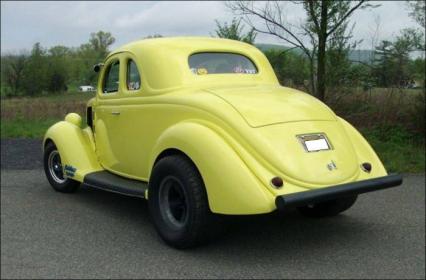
(281, 146)
(266, 105)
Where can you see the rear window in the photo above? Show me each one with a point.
(221, 63)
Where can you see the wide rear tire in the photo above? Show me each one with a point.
(178, 203)
(54, 171)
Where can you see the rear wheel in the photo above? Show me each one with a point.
(178, 202)
(54, 171)
(328, 208)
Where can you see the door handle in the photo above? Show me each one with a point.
(115, 113)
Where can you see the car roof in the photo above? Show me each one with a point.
(163, 62)
(189, 43)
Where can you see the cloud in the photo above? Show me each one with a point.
(70, 23)
(174, 17)
(390, 18)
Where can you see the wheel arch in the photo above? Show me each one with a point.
(46, 142)
(76, 147)
(231, 187)
(171, 152)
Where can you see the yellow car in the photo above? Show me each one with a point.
(201, 126)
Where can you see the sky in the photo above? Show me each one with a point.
(70, 23)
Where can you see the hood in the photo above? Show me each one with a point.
(266, 105)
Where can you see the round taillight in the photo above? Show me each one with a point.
(277, 182)
(366, 167)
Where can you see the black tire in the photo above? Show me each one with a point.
(328, 208)
(54, 172)
(178, 203)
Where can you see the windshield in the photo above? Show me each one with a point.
(220, 63)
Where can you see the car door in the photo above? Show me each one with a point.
(132, 120)
(107, 127)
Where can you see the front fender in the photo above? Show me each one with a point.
(76, 147)
(231, 187)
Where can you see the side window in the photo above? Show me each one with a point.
(133, 77)
(111, 80)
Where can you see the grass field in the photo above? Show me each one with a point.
(30, 117)
(400, 150)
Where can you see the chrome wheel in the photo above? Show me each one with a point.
(55, 167)
(173, 202)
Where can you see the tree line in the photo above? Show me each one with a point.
(316, 59)
(53, 70)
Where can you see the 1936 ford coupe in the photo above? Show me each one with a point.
(201, 126)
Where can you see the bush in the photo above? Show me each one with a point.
(400, 150)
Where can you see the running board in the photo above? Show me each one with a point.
(108, 181)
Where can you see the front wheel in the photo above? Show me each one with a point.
(328, 208)
(54, 171)
(178, 202)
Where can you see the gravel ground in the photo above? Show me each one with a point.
(95, 234)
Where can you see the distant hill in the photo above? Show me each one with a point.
(361, 55)
(356, 55)
(267, 47)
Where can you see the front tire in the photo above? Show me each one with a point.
(178, 202)
(328, 208)
(54, 171)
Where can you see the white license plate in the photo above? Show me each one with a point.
(316, 145)
(314, 142)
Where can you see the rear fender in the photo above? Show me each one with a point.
(231, 187)
(76, 147)
(365, 152)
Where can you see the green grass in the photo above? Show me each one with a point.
(399, 151)
(69, 96)
(20, 128)
(29, 117)
(59, 97)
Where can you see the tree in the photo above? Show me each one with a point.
(417, 35)
(91, 53)
(392, 65)
(13, 72)
(100, 41)
(337, 61)
(392, 61)
(234, 31)
(400, 54)
(55, 69)
(59, 51)
(417, 11)
(383, 64)
(58, 69)
(324, 19)
(290, 67)
(87, 57)
(34, 73)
